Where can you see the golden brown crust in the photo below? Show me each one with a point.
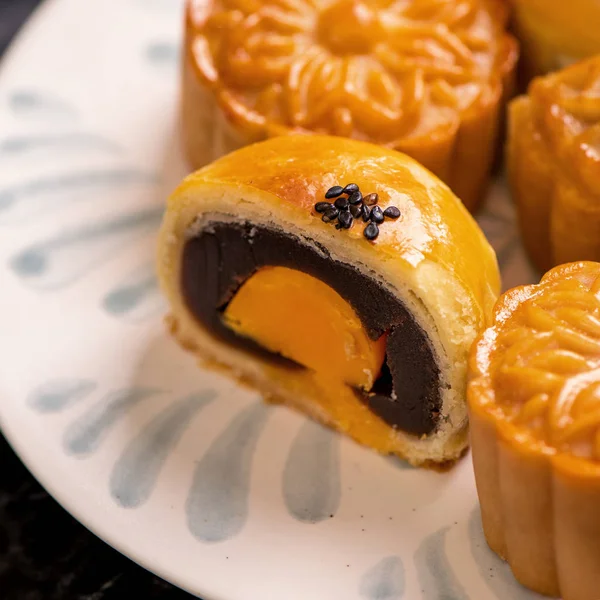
(433, 225)
(554, 165)
(347, 68)
(555, 33)
(534, 402)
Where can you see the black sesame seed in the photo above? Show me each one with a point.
(371, 199)
(355, 198)
(346, 220)
(330, 215)
(338, 226)
(356, 210)
(371, 231)
(366, 213)
(341, 202)
(376, 215)
(334, 192)
(350, 188)
(391, 212)
(321, 207)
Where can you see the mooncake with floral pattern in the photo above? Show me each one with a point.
(534, 405)
(426, 77)
(554, 165)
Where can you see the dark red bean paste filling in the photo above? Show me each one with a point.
(221, 257)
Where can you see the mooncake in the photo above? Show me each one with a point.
(426, 77)
(341, 279)
(534, 402)
(553, 162)
(555, 33)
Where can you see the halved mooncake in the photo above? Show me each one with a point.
(534, 400)
(428, 78)
(342, 279)
(554, 165)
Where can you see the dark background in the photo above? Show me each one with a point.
(44, 553)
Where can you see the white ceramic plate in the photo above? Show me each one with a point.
(179, 469)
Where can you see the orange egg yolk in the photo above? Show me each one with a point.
(302, 318)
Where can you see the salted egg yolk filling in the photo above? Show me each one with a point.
(302, 318)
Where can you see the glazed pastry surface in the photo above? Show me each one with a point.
(426, 78)
(554, 164)
(534, 400)
(555, 33)
(422, 289)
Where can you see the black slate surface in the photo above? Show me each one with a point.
(44, 553)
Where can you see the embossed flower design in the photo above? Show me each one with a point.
(551, 365)
(382, 69)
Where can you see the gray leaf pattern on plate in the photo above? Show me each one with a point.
(136, 297)
(136, 472)
(311, 478)
(436, 576)
(58, 395)
(84, 435)
(217, 504)
(60, 260)
(384, 580)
